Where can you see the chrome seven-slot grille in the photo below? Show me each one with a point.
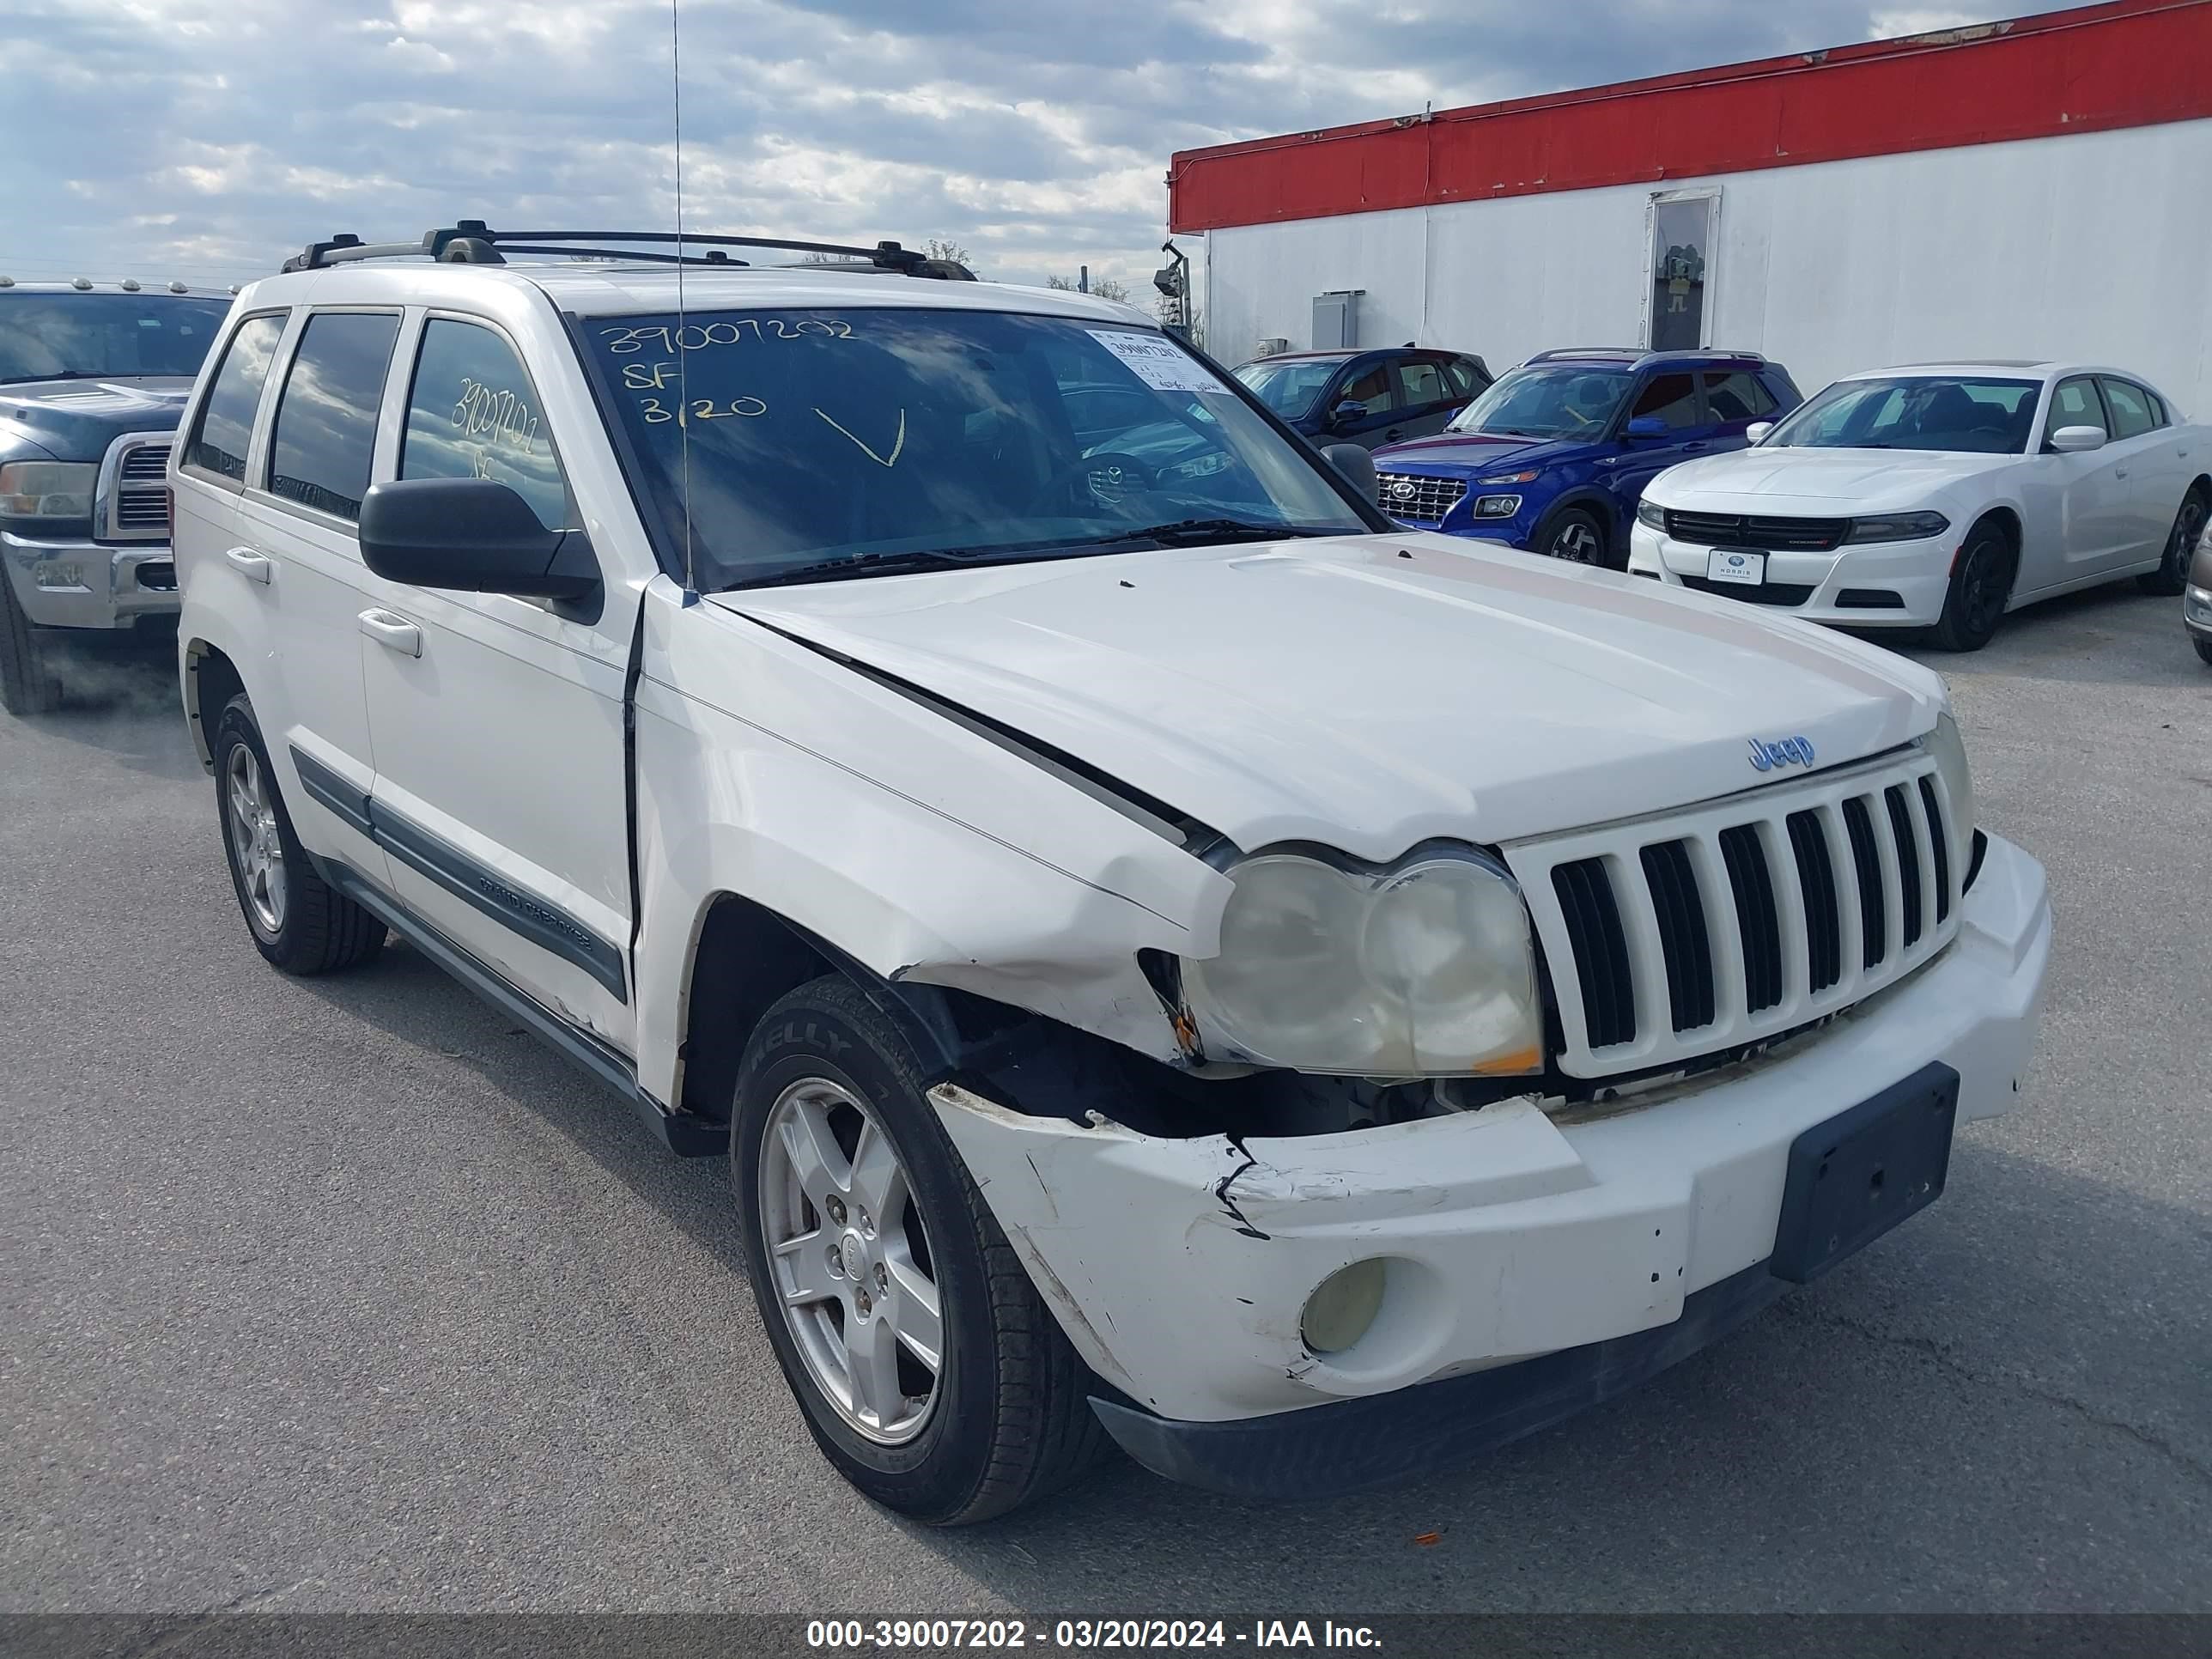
(138, 510)
(1417, 497)
(1688, 934)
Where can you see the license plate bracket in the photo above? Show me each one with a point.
(1737, 565)
(1855, 1176)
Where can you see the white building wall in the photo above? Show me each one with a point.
(2094, 247)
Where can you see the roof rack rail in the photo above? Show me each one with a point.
(471, 241)
(1701, 351)
(1557, 352)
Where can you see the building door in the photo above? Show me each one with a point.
(1678, 311)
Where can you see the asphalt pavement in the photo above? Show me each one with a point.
(346, 1294)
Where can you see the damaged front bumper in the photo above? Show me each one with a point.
(1532, 1265)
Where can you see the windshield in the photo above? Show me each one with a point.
(1558, 400)
(1290, 388)
(855, 442)
(51, 336)
(1915, 411)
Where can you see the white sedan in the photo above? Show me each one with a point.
(1939, 495)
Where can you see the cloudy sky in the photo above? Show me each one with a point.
(206, 139)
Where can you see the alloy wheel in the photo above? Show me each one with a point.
(1577, 543)
(850, 1261)
(255, 842)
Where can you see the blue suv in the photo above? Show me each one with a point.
(1554, 456)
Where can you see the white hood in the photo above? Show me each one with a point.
(1820, 482)
(1368, 692)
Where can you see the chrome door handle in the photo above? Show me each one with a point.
(392, 631)
(254, 567)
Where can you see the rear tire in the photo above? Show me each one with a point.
(299, 922)
(1577, 537)
(1003, 1417)
(2203, 649)
(2173, 573)
(1981, 583)
(28, 686)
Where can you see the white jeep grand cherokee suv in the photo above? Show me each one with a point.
(1167, 954)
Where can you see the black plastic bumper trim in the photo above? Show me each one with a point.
(1349, 1445)
(327, 787)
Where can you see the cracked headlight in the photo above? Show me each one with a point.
(1948, 750)
(1422, 969)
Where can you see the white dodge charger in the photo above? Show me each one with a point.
(1939, 495)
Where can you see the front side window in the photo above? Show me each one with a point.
(326, 429)
(1290, 386)
(1967, 414)
(2130, 406)
(82, 336)
(1376, 388)
(473, 413)
(2076, 403)
(1735, 396)
(1672, 398)
(821, 444)
(225, 429)
(1549, 401)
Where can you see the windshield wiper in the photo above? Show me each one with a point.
(879, 564)
(1220, 529)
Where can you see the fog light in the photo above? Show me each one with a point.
(1340, 1311)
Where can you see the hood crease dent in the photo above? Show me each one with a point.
(1367, 693)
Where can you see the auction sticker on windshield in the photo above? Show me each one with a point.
(1155, 360)
(1724, 566)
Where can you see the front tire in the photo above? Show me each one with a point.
(299, 922)
(929, 1371)
(27, 685)
(1981, 584)
(1577, 537)
(2173, 573)
(2204, 650)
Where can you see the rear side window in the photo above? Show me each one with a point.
(1465, 382)
(225, 428)
(472, 413)
(1672, 398)
(1420, 381)
(2132, 414)
(1735, 396)
(325, 431)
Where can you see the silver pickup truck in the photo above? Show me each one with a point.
(92, 378)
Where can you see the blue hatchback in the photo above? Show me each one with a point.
(1554, 456)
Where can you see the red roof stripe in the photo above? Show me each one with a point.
(2125, 64)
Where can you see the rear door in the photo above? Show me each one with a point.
(295, 550)
(500, 793)
(2153, 473)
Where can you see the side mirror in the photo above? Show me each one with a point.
(1356, 463)
(1758, 429)
(1347, 412)
(2074, 439)
(1645, 426)
(475, 535)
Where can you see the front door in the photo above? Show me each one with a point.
(1672, 400)
(1380, 420)
(2085, 486)
(499, 793)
